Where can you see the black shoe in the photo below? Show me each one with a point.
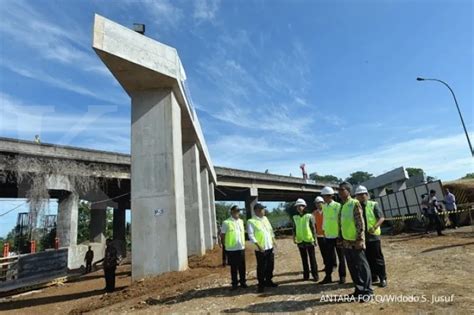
(260, 289)
(326, 280)
(305, 278)
(271, 284)
(315, 279)
(383, 283)
(234, 287)
(375, 279)
(342, 280)
(244, 285)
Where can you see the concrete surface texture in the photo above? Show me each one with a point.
(193, 202)
(158, 215)
(206, 206)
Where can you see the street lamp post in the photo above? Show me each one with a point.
(457, 106)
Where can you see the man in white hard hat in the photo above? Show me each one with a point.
(233, 238)
(331, 210)
(352, 238)
(373, 219)
(305, 237)
(318, 225)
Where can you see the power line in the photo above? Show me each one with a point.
(1, 215)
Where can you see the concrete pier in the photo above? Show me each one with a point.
(206, 209)
(193, 202)
(162, 120)
(212, 201)
(119, 230)
(68, 212)
(158, 216)
(98, 224)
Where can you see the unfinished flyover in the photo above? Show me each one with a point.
(168, 181)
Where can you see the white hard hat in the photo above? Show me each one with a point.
(318, 199)
(300, 202)
(361, 190)
(327, 191)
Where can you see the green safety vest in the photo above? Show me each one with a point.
(259, 227)
(331, 219)
(348, 227)
(371, 219)
(303, 229)
(230, 239)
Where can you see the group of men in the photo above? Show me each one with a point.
(431, 210)
(349, 230)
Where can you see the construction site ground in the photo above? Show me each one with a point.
(419, 266)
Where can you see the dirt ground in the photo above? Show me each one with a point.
(425, 267)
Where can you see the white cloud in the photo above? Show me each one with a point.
(23, 24)
(96, 127)
(205, 10)
(62, 83)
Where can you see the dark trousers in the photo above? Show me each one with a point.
(434, 220)
(375, 258)
(323, 250)
(265, 265)
(88, 266)
(307, 251)
(453, 217)
(236, 260)
(359, 270)
(109, 274)
(332, 250)
(224, 256)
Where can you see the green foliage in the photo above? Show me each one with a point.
(83, 233)
(278, 217)
(47, 240)
(325, 178)
(222, 211)
(359, 177)
(468, 176)
(413, 171)
(431, 178)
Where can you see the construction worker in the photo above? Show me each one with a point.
(260, 233)
(110, 263)
(304, 237)
(318, 225)
(233, 238)
(433, 215)
(352, 232)
(373, 219)
(88, 258)
(331, 211)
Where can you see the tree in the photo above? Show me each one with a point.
(413, 171)
(359, 177)
(222, 211)
(325, 178)
(468, 176)
(83, 233)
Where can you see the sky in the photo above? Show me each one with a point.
(331, 84)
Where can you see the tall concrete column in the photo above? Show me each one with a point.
(206, 209)
(98, 224)
(68, 212)
(158, 213)
(250, 202)
(212, 201)
(119, 229)
(193, 201)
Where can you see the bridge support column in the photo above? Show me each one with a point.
(212, 201)
(98, 224)
(119, 229)
(206, 209)
(68, 212)
(193, 201)
(158, 213)
(250, 201)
